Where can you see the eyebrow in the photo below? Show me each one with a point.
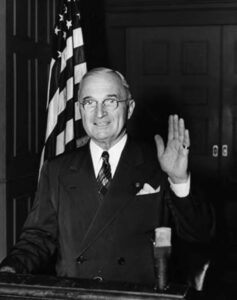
(87, 97)
(109, 95)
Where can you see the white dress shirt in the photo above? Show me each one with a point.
(180, 189)
(114, 155)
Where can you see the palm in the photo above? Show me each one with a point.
(174, 157)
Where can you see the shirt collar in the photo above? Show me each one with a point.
(114, 154)
(116, 150)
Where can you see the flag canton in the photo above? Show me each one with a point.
(67, 20)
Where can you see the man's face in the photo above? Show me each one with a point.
(104, 126)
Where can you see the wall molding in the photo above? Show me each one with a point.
(152, 5)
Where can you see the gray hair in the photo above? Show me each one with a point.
(103, 70)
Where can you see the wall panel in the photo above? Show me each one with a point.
(176, 69)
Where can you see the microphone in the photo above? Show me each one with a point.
(162, 251)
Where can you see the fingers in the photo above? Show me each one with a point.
(173, 131)
(181, 129)
(171, 128)
(186, 140)
(159, 145)
(177, 130)
(176, 126)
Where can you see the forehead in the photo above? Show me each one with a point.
(101, 85)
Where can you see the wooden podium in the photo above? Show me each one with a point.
(14, 286)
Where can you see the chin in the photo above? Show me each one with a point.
(101, 137)
(101, 133)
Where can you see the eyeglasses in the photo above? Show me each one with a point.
(109, 104)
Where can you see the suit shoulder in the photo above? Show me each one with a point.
(64, 160)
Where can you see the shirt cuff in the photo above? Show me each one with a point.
(181, 189)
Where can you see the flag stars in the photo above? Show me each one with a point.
(56, 30)
(60, 18)
(61, 54)
(69, 24)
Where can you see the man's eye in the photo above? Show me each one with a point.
(110, 101)
(89, 102)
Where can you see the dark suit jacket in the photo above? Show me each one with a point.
(111, 239)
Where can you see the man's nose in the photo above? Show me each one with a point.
(100, 110)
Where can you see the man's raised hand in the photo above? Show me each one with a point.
(174, 157)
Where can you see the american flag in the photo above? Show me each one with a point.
(67, 67)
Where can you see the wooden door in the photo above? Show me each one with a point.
(177, 70)
(229, 111)
(229, 145)
(29, 28)
(3, 129)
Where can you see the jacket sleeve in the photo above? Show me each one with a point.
(38, 240)
(193, 216)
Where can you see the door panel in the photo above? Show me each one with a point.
(228, 226)
(229, 124)
(28, 57)
(177, 70)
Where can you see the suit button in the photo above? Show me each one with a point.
(81, 259)
(121, 261)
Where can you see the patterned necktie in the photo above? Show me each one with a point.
(104, 176)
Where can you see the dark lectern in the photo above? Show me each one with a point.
(44, 288)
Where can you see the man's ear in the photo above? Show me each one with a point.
(131, 107)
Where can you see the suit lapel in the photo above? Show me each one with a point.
(80, 173)
(114, 202)
(79, 182)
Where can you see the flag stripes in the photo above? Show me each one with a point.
(68, 65)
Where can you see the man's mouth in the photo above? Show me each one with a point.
(102, 124)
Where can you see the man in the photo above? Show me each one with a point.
(99, 214)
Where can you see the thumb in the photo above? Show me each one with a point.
(159, 145)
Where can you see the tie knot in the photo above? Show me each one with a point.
(105, 157)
